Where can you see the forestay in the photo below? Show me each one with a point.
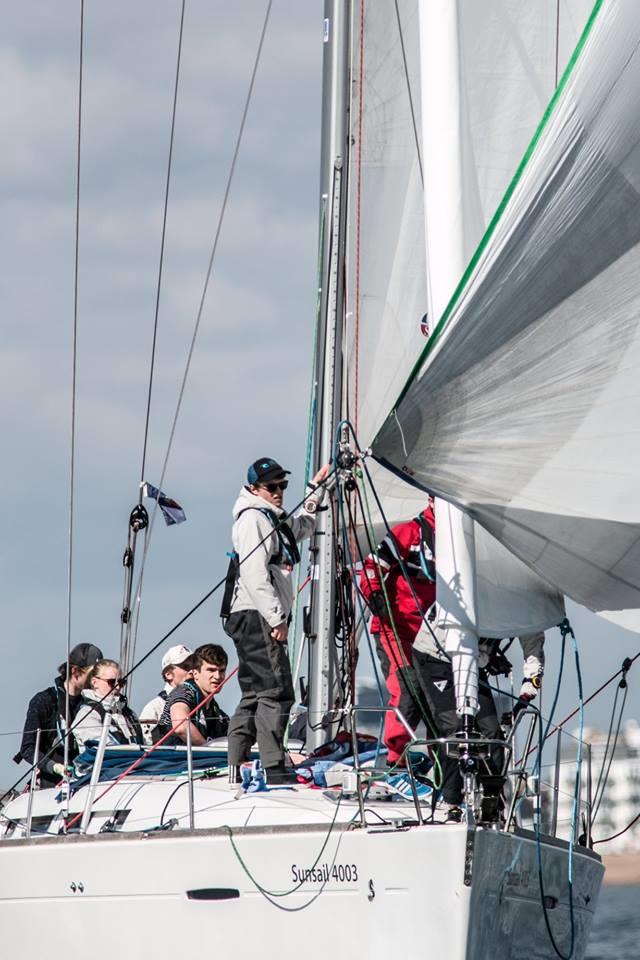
(523, 409)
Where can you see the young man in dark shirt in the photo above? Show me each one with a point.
(47, 712)
(209, 666)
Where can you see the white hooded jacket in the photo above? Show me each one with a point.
(88, 722)
(261, 585)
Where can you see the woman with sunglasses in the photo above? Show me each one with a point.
(257, 610)
(102, 695)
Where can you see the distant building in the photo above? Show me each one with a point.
(620, 801)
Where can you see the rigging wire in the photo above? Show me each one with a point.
(557, 59)
(403, 566)
(607, 759)
(147, 753)
(620, 832)
(295, 657)
(556, 695)
(406, 73)
(626, 666)
(162, 247)
(353, 552)
(566, 630)
(358, 222)
(399, 657)
(130, 647)
(169, 633)
(406, 673)
(74, 377)
(212, 257)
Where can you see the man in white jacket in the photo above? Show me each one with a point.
(260, 610)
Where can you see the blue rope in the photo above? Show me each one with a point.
(566, 630)
(537, 768)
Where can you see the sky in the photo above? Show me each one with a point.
(248, 387)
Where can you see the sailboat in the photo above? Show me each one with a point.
(473, 334)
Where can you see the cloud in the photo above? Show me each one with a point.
(248, 389)
(247, 393)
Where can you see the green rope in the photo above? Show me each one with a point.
(408, 669)
(271, 895)
(310, 429)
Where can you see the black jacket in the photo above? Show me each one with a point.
(47, 711)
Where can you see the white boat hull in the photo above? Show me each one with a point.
(373, 891)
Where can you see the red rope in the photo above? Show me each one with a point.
(559, 726)
(155, 746)
(304, 583)
(622, 669)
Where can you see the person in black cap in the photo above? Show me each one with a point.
(257, 611)
(47, 712)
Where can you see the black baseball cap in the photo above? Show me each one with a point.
(265, 469)
(85, 655)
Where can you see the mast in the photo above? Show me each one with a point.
(323, 667)
(444, 181)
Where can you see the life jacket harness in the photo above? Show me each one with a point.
(419, 563)
(114, 731)
(287, 552)
(427, 548)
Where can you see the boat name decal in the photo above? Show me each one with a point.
(323, 872)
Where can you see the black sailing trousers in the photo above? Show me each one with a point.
(264, 675)
(436, 681)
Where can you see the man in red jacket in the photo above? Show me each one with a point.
(405, 562)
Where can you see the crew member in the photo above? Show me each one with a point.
(404, 562)
(435, 677)
(533, 668)
(208, 668)
(175, 670)
(257, 611)
(47, 712)
(102, 696)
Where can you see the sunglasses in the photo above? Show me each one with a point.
(110, 681)
(272, 487)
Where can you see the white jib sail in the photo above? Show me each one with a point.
(524, 408)
(487, 73)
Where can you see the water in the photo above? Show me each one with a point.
(615, 934)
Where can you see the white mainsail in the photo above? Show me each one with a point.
(386, 282)
(507, 55)
(531, 374)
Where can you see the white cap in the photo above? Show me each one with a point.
(175, 656)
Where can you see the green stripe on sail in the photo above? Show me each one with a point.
(442, 322)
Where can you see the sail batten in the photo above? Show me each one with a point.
(525, 413)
